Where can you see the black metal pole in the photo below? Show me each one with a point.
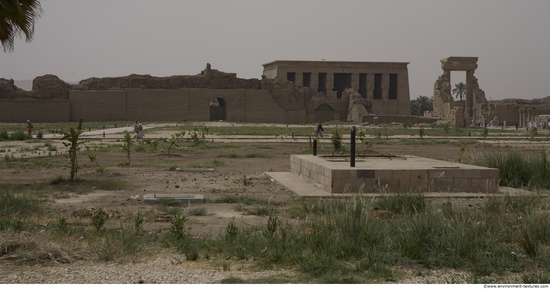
(352, 148)
(314, 147)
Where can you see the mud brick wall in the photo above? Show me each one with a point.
(35, 110)
(98, 105)
(260, 107)
(157, 104)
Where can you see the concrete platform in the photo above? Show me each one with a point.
(307, 190)
(375, 173)
(180, 198)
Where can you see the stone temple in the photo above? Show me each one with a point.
(288, 92)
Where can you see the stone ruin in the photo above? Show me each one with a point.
(475, 105)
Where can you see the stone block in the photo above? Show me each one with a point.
(401, 174)
(365, 174)
(480, 183)
(419, 174)
(340, 174)
(442, 184)
(383, 174)
(471, 174)
(489, 174)
(462, 183)
(436, 174)
(455, 173)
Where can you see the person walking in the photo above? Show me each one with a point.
(319, 130)
(29, 127)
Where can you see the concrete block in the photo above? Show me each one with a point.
(480, 183)
(340, 174)
(436, 174)
(443, 183)
(462, 183)
(401, 174)
(383, 174)
(180, 198)
(472, 174)
(455, 173)
(419, 174)
(365, 174)
(489, 174)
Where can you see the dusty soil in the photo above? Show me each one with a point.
(150, 173)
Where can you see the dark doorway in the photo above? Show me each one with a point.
(341, 82)
(217, 109)
(291, 76)
(324, 112)
(392, 93)
(306, 79)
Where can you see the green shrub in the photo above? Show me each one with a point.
(99, 218)
(518, 170)
(336, 140)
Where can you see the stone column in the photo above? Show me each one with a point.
(520, 122)
(528, 115)
(469, 94)
(385, 91)
(370, 86)
(299, 79)
(355, 81)
(315, 80)
(330, 85)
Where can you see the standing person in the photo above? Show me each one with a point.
(530, 126)
(319, 129)
(136, 131)
(548, 127)
(141, 134)
(29, 127)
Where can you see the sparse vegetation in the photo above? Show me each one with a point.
(356, 240)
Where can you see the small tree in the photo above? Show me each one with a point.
(336, 140)
(173, 140)
(127, 144)
(421, 132)
(72, 142)
(198, 135)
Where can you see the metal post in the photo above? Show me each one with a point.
(352, 148)
(314, 147)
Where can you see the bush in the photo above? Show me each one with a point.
(336, 139)
(518, 170)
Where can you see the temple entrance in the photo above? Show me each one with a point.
(324, 112)
(217, 109)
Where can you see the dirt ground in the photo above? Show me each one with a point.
(150, 173)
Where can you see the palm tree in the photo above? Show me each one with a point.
(459, 90)
(421, 104)
(17, 17)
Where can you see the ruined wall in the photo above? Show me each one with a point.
(157, 104)
(98, 105)
(16, 110)
(180, 105)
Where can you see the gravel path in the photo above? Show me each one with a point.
(158, 271)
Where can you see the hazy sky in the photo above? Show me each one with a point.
(77, 39)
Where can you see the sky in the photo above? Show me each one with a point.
(78, 39)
